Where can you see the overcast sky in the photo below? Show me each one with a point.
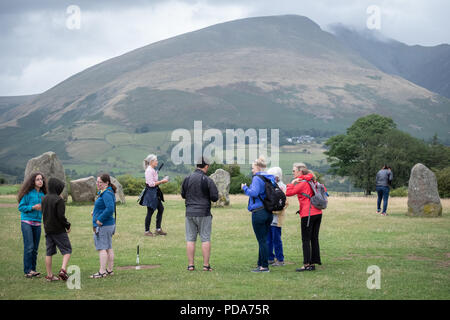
(41, 44)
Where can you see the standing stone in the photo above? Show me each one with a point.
(84, 189)
(423, 196)
(50, 166)
(222, 180)
(120, 195)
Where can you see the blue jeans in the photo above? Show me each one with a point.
(274, 243)
(383, 193)
(261, 221)
(31, 238)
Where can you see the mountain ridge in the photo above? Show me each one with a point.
(265, 72)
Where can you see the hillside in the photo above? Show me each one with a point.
(268, 72)
(428, 67)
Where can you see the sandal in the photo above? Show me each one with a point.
(306, 268)
(35, 274)
(191, 268)
(98, 275)
(63, 275)
(109, 273)
(51, 278)
(207, 268)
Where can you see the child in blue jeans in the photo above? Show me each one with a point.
(274, 237)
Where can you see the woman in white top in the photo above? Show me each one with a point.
(153, 196)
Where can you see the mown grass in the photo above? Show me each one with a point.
(412, 253)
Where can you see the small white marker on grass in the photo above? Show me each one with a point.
(138, 267)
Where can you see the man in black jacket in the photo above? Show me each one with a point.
(56, 228)
(199, 190)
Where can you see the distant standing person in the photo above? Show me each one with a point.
(30, 206)
(153, 196)
(104, 225)
(56, 229)
(199, 190)
(383, 181)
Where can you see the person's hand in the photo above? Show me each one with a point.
(68, 230)
(99, 223)
(37, 207)
(92, 213)
(242, 185)
(164, 181)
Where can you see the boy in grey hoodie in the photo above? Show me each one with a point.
(56, 228)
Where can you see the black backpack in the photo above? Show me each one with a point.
(275, 198)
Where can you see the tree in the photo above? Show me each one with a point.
(356, 154)
(373, 141)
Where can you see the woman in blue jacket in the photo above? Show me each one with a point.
(30, 198)
(104, 225)
(261, 218)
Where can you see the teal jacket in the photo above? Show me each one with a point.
(104, 208)
(28, 201)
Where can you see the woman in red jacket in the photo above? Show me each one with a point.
(310, 235)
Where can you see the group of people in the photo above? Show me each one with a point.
(267, 225)
(39, 202)
(199, 191)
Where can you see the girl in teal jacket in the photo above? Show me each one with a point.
(30, 198)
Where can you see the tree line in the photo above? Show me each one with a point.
(373, 141)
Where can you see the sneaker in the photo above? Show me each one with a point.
(160, 232)
(384, 214)
(261, 270)
(148, 233)
(271, 261)
(278, 264)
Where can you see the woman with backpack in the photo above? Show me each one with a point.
(261, 218)
(310, 231)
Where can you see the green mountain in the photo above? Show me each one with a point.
(268, 72)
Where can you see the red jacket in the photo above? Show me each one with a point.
(298, 189)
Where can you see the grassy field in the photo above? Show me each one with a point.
(412, 253)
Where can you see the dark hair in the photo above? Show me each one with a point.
(203, 162)
(386, 166)
(29, 184)
(107, 179)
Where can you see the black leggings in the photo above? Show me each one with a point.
(310, 239)
(148, 218)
